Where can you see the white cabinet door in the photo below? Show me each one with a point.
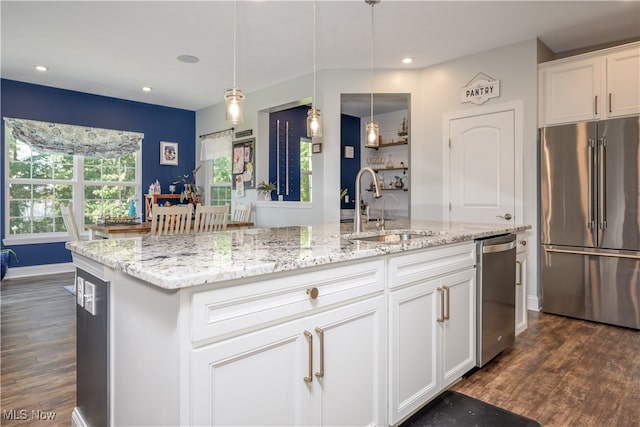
(570, 92)
(259, 378)
(413, 348)
(459, 326)
(521, 284)
(623, 82)
(349, 365)
(252, 380)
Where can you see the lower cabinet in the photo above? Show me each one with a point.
(324, 369)
(431, 339)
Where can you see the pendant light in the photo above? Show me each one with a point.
(314, 118)
(372, 131)
(234, 98)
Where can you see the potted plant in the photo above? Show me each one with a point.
(266, 188)
(190, 190)
(4, 260)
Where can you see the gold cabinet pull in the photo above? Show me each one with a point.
(309, 378)
(441, 318)
(320, 333)
(313, 293)
(447, 294)
(519, 264)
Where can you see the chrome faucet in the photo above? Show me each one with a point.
(384, 199)
(357, 221)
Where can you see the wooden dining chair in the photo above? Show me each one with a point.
(70, 221)
(170, 220)
(210, 218)
(241, 213)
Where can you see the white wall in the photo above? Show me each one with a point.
(434, 92)
(439, 93)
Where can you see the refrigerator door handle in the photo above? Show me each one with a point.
(590, 202)
(603, 183)
(592, 253)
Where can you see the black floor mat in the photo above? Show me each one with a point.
(452, 409)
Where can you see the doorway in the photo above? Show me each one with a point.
(391, 160)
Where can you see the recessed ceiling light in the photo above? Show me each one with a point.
(147, 88)
(407, 60)
(189, 59)
(41, 68)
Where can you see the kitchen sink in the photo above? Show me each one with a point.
(393, 237)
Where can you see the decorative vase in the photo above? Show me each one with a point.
(267, 196)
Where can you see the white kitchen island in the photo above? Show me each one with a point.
(285, 326)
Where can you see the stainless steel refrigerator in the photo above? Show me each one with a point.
(590, 220)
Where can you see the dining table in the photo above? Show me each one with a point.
(117, 231)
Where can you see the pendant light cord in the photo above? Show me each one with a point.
(313, 103)
(372, 52)
(235, 20)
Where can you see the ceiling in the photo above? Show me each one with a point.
(115, 48)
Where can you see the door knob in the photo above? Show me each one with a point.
(506, 216)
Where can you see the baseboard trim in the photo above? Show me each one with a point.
(533, 303)
(39, 270)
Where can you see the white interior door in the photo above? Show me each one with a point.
(482, 168)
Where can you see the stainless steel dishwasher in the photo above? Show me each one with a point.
(496, 296)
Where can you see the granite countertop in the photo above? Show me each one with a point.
(174, 262)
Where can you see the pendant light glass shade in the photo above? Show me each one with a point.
(314, 123)
(234, 100)
(372, 134)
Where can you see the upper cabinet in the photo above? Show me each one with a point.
(592, 86)
(623, 82)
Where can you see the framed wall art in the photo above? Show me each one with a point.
(243, 163)
(168, 153)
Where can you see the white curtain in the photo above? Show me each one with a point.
(216, 146)
(56, 138)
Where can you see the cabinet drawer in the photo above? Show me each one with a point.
(405, 269)
(221, 313)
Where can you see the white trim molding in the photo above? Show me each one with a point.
(39, 270)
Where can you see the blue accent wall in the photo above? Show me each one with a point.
(297, 119)
(349, 136)
(158, 123)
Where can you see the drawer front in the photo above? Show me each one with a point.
(414, 267)
(221, 313)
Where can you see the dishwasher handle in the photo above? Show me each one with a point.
(500, 247)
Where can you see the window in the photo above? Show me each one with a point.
(305, 169)
(38, 183)
(221, 182)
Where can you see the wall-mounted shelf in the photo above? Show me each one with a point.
(390, 144)
(390, 189)
(403, 169)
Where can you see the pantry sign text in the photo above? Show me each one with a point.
(480, 89)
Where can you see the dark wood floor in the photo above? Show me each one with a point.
(565, 372)
(38, 351)
(561, 372)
